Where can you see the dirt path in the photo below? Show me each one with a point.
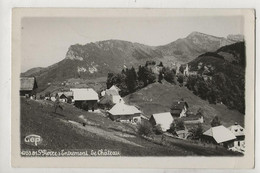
(100, 132)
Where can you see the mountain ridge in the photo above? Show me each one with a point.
(96, 59)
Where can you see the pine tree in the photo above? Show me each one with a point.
(215, 122)
(131, 79)
(160, 77)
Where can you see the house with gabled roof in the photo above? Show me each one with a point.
(111, 95)
(28, 85)
(123, 112)
(65, 96)
(114, 88)
(114, 96)
(220, 135)
(179, 109)
(239, 132)
(85, 98)
(164, 119)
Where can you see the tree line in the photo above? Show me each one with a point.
(129, 79)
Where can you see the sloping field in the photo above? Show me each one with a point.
(64, 130)
(156, 98)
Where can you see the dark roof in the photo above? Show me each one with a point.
(62, 96)
(179, 105)
(176, 112)
(65, 94)
(28, 83)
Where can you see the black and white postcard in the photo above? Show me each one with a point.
(139, 88)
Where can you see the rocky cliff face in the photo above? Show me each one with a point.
(94, 60)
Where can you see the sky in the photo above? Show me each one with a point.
(45, 41)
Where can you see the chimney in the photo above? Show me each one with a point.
(236, 123)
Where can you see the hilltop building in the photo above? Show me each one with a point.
(85, 98)
(28, 86)
(179, 109)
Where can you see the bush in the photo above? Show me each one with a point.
(180, 79)
(145, 129)
(197, 132)
(215, 122)
(179, 125)
(41, 97)
(172, 129)
(47, 94)
(169, 75)
(158, 130)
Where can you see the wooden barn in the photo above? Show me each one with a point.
(85, 98)
(28, 86)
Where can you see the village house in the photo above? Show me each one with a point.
(115, 88)
(163, 119)
(239, 132)
(112, 88)
(219, 135)
(179, 109)
(125, 113)
(85, 98)
(65, 96)
(110, 97)
(114, 96)
(28, 86)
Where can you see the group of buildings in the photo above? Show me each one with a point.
(88, 99)
(232, 138)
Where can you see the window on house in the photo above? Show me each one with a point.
(238, 143)
(235, 130)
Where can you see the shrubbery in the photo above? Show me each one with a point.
(145, 129)
(129, 80)
(220, 89)
(215, 122)
(158, 129)
(196, 133)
